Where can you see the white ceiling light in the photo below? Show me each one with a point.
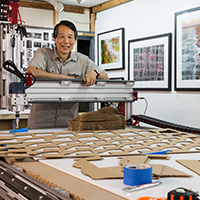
(58, 6)
(80, 1)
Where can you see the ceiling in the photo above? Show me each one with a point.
(86, 3)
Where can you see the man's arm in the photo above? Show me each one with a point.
(38, 73)
(103, 76)
(90, 77)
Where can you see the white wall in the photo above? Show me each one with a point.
(37, 17)
(82, 21)
(44, 18)
(144, 18)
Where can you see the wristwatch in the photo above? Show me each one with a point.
(98, 74)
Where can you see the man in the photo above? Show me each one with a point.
(61, 62)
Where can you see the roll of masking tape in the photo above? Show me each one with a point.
(137, 174)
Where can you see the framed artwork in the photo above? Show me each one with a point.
(150, 62)
(36, 37)
(187, 50)
(111, 49)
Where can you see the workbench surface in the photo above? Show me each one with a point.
(116, 185)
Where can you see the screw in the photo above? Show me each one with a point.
(25, 188)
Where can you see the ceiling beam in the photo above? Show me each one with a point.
(107, 5)
(47, 6)
(55, 17)
(74, 9)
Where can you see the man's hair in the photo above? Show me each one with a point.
(65, 23)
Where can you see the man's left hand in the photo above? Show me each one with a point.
(90, 78)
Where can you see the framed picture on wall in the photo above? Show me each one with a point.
(37, 37)
(150, 62)
(111, 49)
(187, 50)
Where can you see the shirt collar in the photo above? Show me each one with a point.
(72, 56)
(55, 54)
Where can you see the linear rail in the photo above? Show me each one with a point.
(17, 185)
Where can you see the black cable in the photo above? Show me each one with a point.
(10, 66)
(13, 46)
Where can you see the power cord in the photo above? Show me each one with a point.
(136, 123)
(145, 110)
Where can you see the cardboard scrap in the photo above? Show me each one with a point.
(144, 159)
(166, 171)
(106, 118)
(159, 170)
(193, 165)
(95, 172)
(133, 159)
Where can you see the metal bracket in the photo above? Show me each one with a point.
(68, 83)
(101, 83)
(129, 83)
(100, 98)
(65, 98)
(128, 98)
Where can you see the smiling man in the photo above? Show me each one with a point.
(61, 62)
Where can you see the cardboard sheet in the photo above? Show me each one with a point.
(193, 165)
(96, 143)
(96, 173)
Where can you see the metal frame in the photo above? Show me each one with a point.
(10, 49)
(74, 90)
(190, 49)
(148, 60)
(15, 184)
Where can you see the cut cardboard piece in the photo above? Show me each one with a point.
(97, 173)
(166, 171)
(193, 165)
(71, 144)
(133, 159)
(144, 159)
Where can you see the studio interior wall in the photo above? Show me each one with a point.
(142, 18)
(44, 18)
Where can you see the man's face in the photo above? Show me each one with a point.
(65, 40)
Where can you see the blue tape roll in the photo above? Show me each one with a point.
(137, 174)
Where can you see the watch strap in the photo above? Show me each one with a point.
(98, 74)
